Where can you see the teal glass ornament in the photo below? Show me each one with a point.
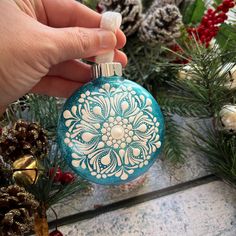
(111, 129)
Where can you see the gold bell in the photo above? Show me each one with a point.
(26, 170)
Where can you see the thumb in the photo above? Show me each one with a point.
(77, 42)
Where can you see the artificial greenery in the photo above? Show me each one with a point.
(156, 68)
(220, 149)
(46, 190)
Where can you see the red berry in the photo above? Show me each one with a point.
(213, 34)
(200, 29)
(225, 9)
(209, 38)
(220, 7)
(223, 16)
(231, 4)
(67, 178)
(203, 39)
(57, 176)
(227, 3)
(216, 29)
(206, 32)
(210, 11)
(56, 233)
(99, 8)
(210, 23)
(204, 19)
(219, 20)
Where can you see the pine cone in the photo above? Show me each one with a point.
(162, 3)
(130, 10)
(16, 210)
(23, 138)
(161, 25)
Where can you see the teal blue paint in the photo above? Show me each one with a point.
(111, 131)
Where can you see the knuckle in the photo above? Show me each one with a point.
(82, 41)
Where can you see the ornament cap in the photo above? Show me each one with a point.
(106, 70)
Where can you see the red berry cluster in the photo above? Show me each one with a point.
(59, 176)
(209, 25)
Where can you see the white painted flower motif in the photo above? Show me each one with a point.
(112, 132)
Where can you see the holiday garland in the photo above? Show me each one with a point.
(178, 52)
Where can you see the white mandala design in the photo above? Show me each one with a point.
(112, 132)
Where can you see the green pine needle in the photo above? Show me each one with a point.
(220, 149)
(174, 146)
(49, 192)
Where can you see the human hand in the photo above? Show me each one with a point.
(40, 40)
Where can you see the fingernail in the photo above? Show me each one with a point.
(107, 39)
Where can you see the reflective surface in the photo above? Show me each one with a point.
(111, 131)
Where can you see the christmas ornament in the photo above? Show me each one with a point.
(161, 25)
(56, 174)
(209, 26)
(131, 11)
(56, 233)
(16, 210)
(111, 130)
(228, 118)
(67, 178)
(26, 170)
(24, 138)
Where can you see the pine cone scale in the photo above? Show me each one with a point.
(23, 139)
(16, 216)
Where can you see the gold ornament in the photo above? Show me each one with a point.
(228, 118)
(26, 170)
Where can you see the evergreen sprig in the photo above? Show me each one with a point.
(174, 145)
(220, 150)
(209, 75)
(46, 190)
(206, 90)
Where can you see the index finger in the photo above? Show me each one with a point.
(69, 13)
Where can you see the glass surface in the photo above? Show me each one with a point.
(111, 130)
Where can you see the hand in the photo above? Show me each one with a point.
(40, 42)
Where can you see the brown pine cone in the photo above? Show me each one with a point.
(162, 3)
(131, 11)
(16, 211)
(24, 138)
(161, 25)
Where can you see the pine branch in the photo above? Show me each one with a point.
(49, 192)
(219, 148)
(35, 108)
(181, 105)
(139, 70)
(209, 76)
(174, 146)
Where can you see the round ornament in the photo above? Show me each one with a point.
(228, 118)
(111, 130)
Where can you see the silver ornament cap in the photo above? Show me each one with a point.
(106, 70)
